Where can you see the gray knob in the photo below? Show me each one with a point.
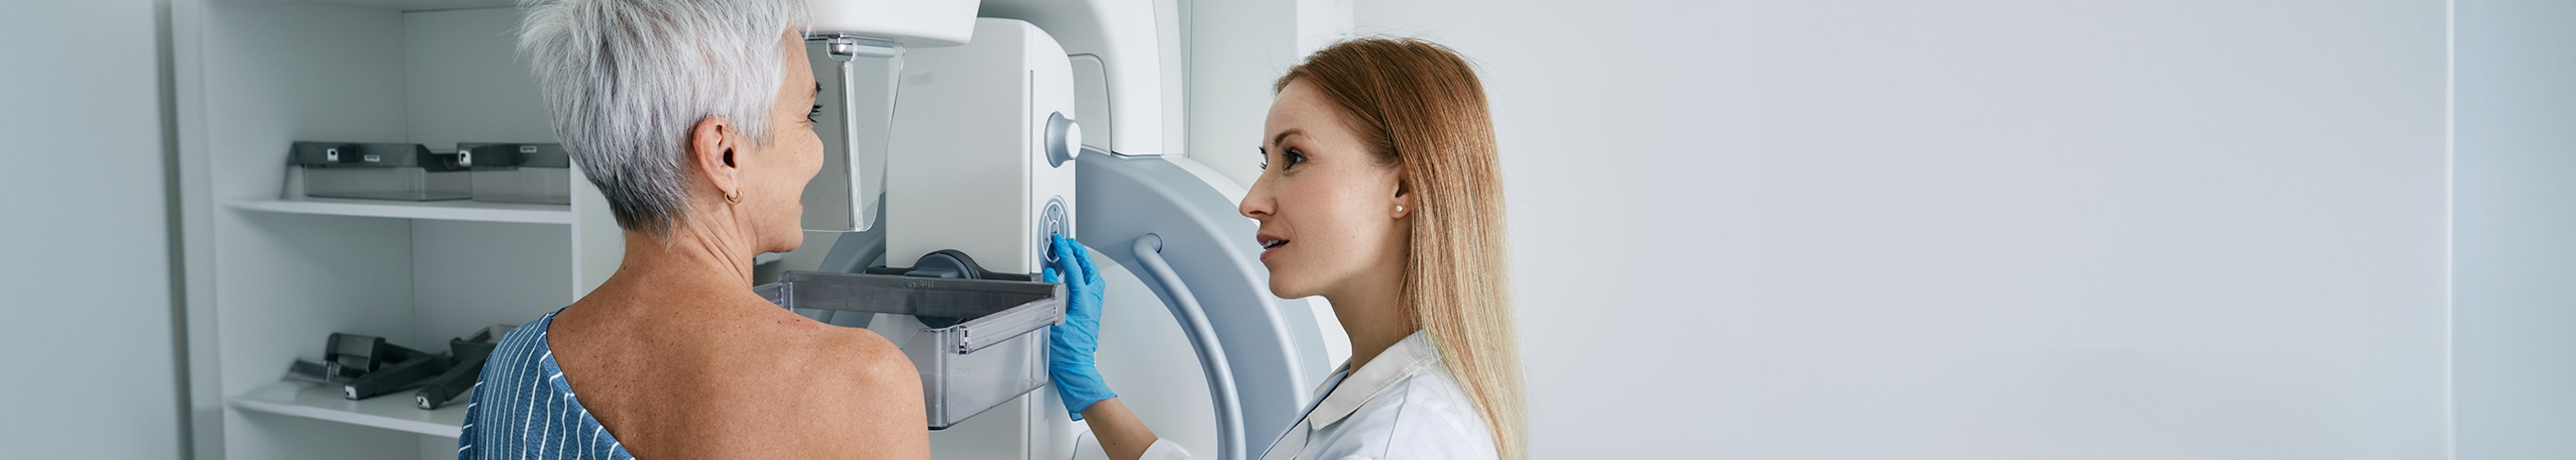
(1063, 139)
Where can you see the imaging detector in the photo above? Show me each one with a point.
(958, 145)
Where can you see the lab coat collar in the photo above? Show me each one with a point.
(1406, 357)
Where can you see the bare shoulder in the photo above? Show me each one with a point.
(833, 358)
(868, 357)
(868, 393)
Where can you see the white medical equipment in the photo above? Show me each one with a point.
(956, 146)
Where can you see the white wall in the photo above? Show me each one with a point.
(1235, 49)
(2515, 225)
(84, 250)
(1973, 229)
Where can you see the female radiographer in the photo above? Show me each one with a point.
(1381, 191)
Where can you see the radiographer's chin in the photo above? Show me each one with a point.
(1286, 287)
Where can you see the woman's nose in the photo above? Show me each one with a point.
(1256, 202)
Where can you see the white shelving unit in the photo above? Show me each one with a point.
(271, 275)
(324, 403)
(459, 210)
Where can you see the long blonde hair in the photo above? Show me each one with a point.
(1419, 106)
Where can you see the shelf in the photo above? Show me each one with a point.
(420, 5)
(392, 411)
(464, 210)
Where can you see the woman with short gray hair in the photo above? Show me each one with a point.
(694, 120)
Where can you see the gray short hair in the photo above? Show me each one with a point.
(627, 80)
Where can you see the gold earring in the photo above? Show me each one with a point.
(731, 199)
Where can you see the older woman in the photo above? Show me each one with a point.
(692, 117)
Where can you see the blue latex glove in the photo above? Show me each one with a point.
(1070, 345)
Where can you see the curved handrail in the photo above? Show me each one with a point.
(1229, 410)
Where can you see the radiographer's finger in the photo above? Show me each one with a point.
(1077, 261)
(1063, 261)
(1090, 271)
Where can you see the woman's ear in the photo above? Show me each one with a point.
(711, 148)
(1403, 195)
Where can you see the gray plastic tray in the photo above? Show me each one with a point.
(520, 173)
(997, 353)
(380, 171)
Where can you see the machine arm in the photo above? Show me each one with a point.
(1194, 323)
(1272, 349)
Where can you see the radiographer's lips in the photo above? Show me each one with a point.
(1269, 244)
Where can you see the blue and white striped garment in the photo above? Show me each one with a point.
(523, 409)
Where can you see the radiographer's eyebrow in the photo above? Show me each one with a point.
(1283, 136)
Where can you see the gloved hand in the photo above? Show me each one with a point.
(1070, 345)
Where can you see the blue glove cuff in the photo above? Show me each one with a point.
(1080, 388)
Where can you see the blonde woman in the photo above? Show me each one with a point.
(1380, 191)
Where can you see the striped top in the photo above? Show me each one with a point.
(523, 409)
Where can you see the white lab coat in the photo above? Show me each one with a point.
(1403, 405)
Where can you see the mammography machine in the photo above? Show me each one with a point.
(959, 145)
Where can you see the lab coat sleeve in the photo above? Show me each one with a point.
(1164, 450)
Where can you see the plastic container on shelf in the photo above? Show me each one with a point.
(520, 173)
(997, 353)
(381, 171)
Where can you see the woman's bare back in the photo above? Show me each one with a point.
(721, 375)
